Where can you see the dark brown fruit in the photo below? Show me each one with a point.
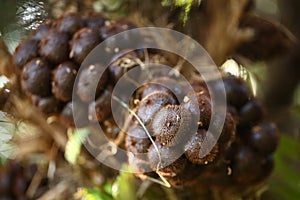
(199, 86)
(100, 109)
(267, 166)
(69, 23)
(41, 31)
(172, 84)
(196, 151)
(171, 125)
(251, 113)
(95, 20)
(63, 81)
(264, 138)
(116, 27)
(25, 52)
(189, 176)
(137, 140)
(47, 105)
(112, 28)
(83, 42)
(171, 162)
(228, 132)
(237, 91)
(89, 86)
(150, 88)
(200, 104)
(54, 46)
(67, 115)
(36, 77)
(246, 165)
(121, 63)
(153, 103)
(234, 113)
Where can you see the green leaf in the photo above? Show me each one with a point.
(125, 186)
(92, 194)
(285, 181)
(186, 6)
(74, 145)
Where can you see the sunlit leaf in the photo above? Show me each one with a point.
(285, 182)
(186, 6)
(125, 186)
(92, 194)
(74, 145)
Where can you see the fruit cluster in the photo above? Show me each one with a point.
(250, 157)
(242, 155)
(50, 58)
(161, 139)
(15, 179)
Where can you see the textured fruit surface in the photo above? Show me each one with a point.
(157, 133)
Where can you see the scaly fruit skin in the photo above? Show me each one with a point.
(36, 77)
(63, 80)
(50, 58)
(240, 157)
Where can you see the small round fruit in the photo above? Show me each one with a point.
(264, 138)
(267, 166)
(83, 42)
(25, 52)
(117, 27)
(153, 103)
(121, 63)
(137, 140)
(100, 109)
(41, 31)
(173, 85)
(198, 85)
(188, 177)
(47, 105)
(245, 165)
(89, 87)
(95, 20)
(169, 163)
(237, 91)
(251, 113)
(228, 132)
(171, 125)
(196, 149)
(69, 23)
(198, 103)
(54, 46)
(150, 88)
(63, 81)
(36, 77)
(67, 115)
(112, 44)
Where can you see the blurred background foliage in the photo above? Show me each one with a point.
(19, 17)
